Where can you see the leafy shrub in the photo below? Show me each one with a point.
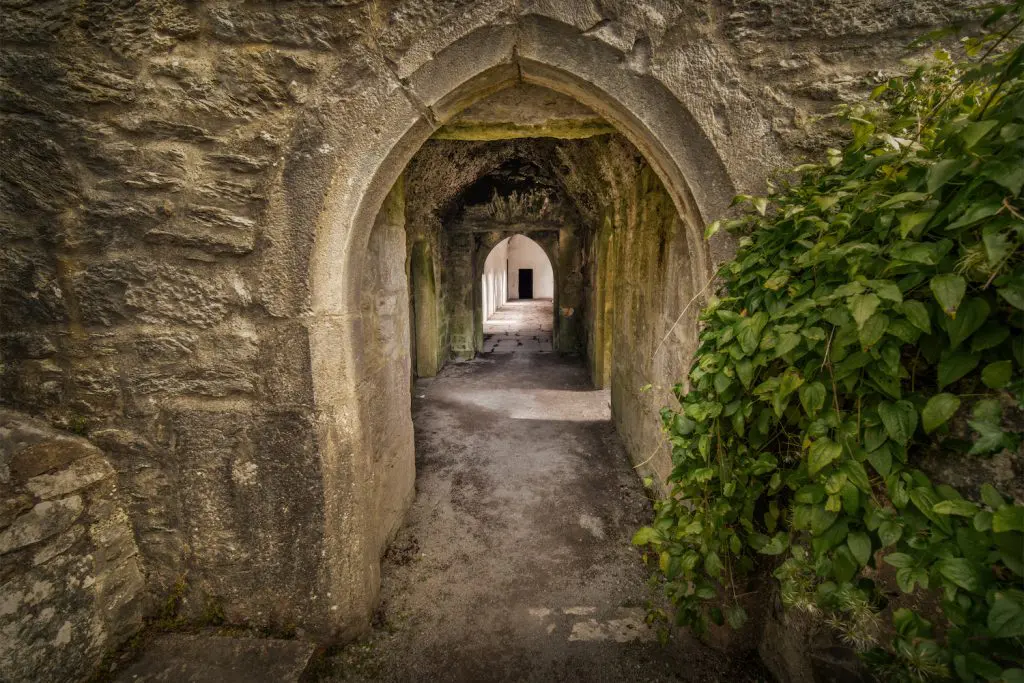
(874, 313)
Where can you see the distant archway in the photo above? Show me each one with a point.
(500, 278)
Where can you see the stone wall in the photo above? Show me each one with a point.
(187, 201)
(388, 375)
(71, 584)
(642, 294)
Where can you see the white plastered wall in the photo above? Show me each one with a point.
(525, 253)
(494, 281)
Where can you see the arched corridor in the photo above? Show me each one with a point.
(544, 271)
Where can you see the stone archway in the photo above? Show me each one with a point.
(373, 150)
(485, 60)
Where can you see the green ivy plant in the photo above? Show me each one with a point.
(873, 316)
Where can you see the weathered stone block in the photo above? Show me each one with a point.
(42, 521)
(227, 660)
(247, 481)
(36, 175)
(118, 222)
(209, 228)
(152, 292)
(240, 163)
(68, 81)
(71, 586)
(316, 31)
(33, 448)
(133, 29)
(34, 21)
(79, 475)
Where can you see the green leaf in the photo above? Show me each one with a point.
(938, 410)
(821, 519)
(844, 565)
(991, 497)
(955, 366)
(908, 624)
(702, 474)
(911, 221)
(889, 533)
(777, 545)
(712, 564)
(997, 375)
(904, 331)
(941, 172)
(961, 508)
(1013, 293)
(860, 545)
(983, 521)
(948, 289)
(1013, 676)
(1006, 618)
(915, 252)
(974, 664)
(748, 331)
(1007, 173)
(925, 500)
(889, 291)
(863, 306)
(881, 460)
(856, 475)
(977, 212)
(906, 578)
(899, 560)
(745, 371)
(810, 494)
(646, 535)
(989, 337)
(812, 398)
(787, 342)
(917, 314)
(1008, 518)
(873, 329)
(899, 419)
(823, 451)
(998, 246)
(903, 198)
(968, 319)
(777, 280)
(972, 133)
(960, 571)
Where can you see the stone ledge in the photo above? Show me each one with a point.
(219, 659)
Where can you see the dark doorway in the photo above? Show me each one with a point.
(526, 283)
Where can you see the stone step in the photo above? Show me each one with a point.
(179, 658)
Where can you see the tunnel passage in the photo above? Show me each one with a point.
(576, 203)
(560, 263)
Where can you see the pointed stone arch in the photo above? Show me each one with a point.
(341, 169)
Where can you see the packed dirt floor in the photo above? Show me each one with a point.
(515, 561)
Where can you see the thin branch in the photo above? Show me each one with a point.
(685, 309)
